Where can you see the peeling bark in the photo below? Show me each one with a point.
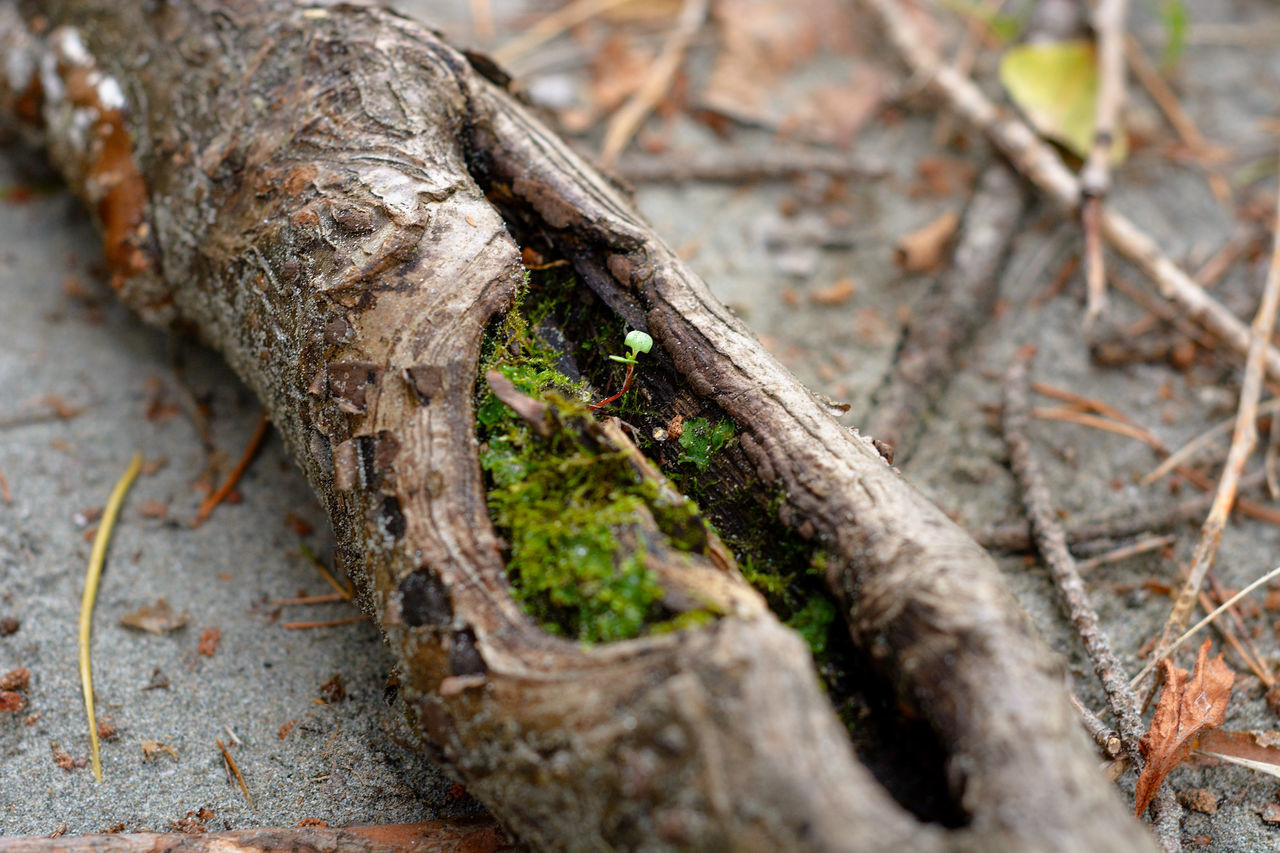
(309, 190)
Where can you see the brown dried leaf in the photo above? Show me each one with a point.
(209, 640)
(1187, 707)
(834, 294)
(772, 69)
(157, 618)
(924, 249)
(151, 749)
(1254, 748)
(16, 679)
(11, 703)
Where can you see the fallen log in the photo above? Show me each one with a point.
(334, 199)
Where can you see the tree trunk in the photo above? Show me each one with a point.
(308, 189)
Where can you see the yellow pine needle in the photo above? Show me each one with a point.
(96, 559)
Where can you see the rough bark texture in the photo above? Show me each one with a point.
(306, 188)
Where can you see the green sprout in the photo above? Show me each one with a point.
(638, 342)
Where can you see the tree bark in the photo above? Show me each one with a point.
(308, 189)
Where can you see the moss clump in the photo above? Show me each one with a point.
(568, 507)
(699, 441)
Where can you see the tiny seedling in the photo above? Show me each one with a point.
(637, 342)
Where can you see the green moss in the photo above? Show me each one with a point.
(569, 512)
(700, 441)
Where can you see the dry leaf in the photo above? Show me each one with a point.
(1258, 750)
(834, 294)
(152, 748)
(772, 68)
(1056, 85)
(1187, 707)
(209, 640)
(157, 618)
(11, 702)
(924, 249)
(16, 679)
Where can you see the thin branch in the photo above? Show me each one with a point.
(1258, 663)
(624, 123)
(1052, 544)
(1199, 626)
(332, 623)
(1230, 638)
(1184, 454)
(1103, 735)
(945, 320)
(732, 166)
(1153, 81)
(551, 26)
(1095, 178)
(1042, 165)
(1133, 549)
(1243, 441)
(1017, 536)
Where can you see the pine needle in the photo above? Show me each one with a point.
(218, 496)
(231, 763)
(315, 561)
(96, 559)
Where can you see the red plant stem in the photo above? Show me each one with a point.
(626, 383)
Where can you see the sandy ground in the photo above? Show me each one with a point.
(349, 761)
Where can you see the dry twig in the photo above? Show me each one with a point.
(624, 123)
(472, 834)
(1124, 552)
(1052, 544)
(944, 321)
(1103, 735)
(1199, 626)
(1184, 454)
(1152, 80)
(1256, 661)
(731, 166)
(1243, 440)
(552, 26)
(1040, 164)
(1095, 177)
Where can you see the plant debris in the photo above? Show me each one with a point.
(1188, 706)
(209, 640)
(157, 618)
(151, 750)
(925, 249)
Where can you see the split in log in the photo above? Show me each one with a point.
(336, 200)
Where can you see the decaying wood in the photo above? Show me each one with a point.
(461, 835)
(306, 188)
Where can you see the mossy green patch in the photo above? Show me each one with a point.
(569, 506)
(700, 441)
